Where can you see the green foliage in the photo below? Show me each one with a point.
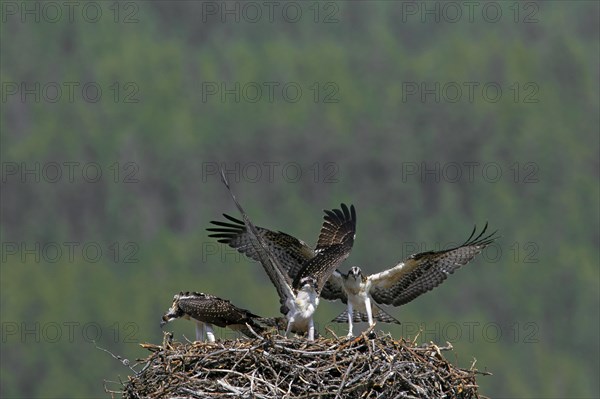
(542, 290)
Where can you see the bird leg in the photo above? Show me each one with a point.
(311, 330)
(350, 324)
(210, 335)
(199, 331)
(289, 327)
(369, 311)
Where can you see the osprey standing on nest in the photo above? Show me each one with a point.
(208, 310)
(402, 283)
(299, 298)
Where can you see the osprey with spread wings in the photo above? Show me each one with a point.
(396, 286)
(299, 296)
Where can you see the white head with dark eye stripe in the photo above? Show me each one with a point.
(355, 273)
(308, 283)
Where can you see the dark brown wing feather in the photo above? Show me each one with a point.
(287, 249)
(358, 317)
(292, 253)
(281, 281)
(334, 246)
(430, 269)
(213, 310)
(332, 291)
(339, 227)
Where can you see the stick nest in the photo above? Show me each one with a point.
(276, 367)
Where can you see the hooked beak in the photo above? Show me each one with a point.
(165, 319)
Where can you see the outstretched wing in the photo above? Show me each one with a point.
(269, 262)
(334, 288)
(289, 251)
(424, 271)
(339, 227)
(333, 247)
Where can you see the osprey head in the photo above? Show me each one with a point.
(308, 283)
(355, 273)
(174, 311)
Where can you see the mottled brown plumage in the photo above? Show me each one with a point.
(333, 246)
(396, 286)
(357, 317)
(212, 310)
(400, 284)
(289, 251)
(300, 299)
(424, 271)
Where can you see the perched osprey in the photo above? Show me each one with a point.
(299, 298)
(208, 310)
(402, 283)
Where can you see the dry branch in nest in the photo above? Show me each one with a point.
(278, 367)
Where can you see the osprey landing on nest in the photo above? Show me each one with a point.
(299, 297)
(208, 310)
(293, 254)
(402, 283)
(414, 276)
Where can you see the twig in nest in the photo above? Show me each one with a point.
(366, 367)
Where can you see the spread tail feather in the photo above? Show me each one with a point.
(262, 325)
(357, 317)
(276, 323)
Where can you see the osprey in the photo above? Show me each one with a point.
(208, 310)
(292, 253)
(299, 298)
(416, 275)
(402, 283)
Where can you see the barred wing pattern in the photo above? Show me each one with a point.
(357, 317)
(333, 247)
(334, 288)
(424, 271)
(290, 251)
(272, 267)
(213, 310)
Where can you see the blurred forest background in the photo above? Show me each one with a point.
(116, 115)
